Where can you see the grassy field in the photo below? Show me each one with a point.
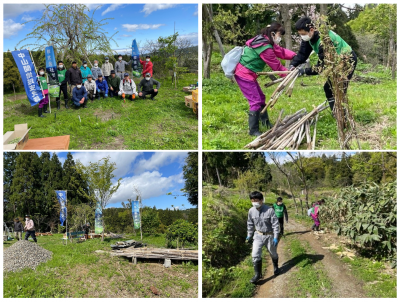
(77, 271)
(111, 124)
(372, 95)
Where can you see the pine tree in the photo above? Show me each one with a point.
(9, 164)
(191, 176)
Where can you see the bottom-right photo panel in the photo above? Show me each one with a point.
(299, 224)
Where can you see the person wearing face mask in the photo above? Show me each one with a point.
(29, 228)
(85, 70)
(311, 41)
(42, 81)
(96, 70)
(62, 81)
(147, 66)
(146, 86)
(263, 221)
(127, 87)
(102, 87)
(90, 86)
(280, 211)
(106, 69)
(113, 84)
(79, 96)
(261, 50)
(120, 67)
(73, 77)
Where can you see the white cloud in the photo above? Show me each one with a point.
(126, 36)
(192, 37)
(14, 10)
(197, 11)
(93, 6)
(10, 28)
(115, 28)
(27, 18)
(149, 8)
(135, 27)
(111, 8)
(151, 184)
(158, 160)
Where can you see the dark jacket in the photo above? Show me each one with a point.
(74, 76)
(18, 227)
(78, 94)
(148, 85)
(114, 82)
(102, 86)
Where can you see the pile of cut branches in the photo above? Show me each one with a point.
(290, 131)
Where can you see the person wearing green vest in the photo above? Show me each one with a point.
(62, 82)
(280, 210)
(42, 81)
(311, 41)
(260, 51)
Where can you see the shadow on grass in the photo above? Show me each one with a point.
(299, 232)
(288, 265)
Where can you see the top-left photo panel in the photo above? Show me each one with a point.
(100, 76)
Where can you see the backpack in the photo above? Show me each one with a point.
(230, 61)
(310, 211)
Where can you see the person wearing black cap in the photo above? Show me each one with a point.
(102, 87)
(120, 66)
(106, 69)
(147, 66)
(90, 86)
(85, 70)
(113, 84)
(79, 96)
(146, 86)
(62, 81)
(73, 76)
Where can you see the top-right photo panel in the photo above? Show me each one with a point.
(299, 76)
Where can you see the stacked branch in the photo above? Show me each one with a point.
(290, 131)
(158, 254)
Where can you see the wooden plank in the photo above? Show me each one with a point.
(48, 143)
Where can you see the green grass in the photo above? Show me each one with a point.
(225, 110)
(309, 280)
(164, 124)
(75, 270)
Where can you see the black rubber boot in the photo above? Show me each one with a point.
(45, 109)
(84, 104)
(265, 119)
(276, 268)
(254, 129)
(40, 112)
(257, 271)
(66, 104)
(313, 227)
(331, 102)
(58, 103)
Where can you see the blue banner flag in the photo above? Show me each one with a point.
(136, 67)
(28, 76)
(51, 69)
(62, 200)
(98, 219)
(136, 214)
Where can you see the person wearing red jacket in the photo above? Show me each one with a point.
(147, 66)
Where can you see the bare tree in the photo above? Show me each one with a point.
(298, 162)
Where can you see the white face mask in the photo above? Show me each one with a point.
(106, 61)
(79, 86)
(60, 66)
(148, 60)
(95, 65)
(277, 40)
(41, 72)
(147, 79)
(85, 65)
(120, 58)
(306, 38)
(256, 204)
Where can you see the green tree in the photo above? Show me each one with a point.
(191, 176)
(11, 76)
(150, 221)
(181, 232)
(9, 165)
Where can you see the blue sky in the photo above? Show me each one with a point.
(284, 157)
(132, 21)
(154, 173)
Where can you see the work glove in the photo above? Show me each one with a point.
(59, 84)
(275, 241)
(248, 238)
(302, 72)
(291, 67)
(106, 95)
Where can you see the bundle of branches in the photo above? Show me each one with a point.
(290, 131)
(337, 68)
(286, 82)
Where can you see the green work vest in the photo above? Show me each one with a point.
(43, 82)
(278, 210)
(340, 45)
(251, 58)
(61, 74)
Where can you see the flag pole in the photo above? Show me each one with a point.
(33, 62)
(66, 216)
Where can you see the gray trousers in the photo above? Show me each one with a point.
(120, 75)
(258, 242)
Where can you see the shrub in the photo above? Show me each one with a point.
(181, 232)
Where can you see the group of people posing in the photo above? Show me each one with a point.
(86, 83)
(264, 50)
(265, 225)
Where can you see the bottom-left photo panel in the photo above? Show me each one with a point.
(100, 224)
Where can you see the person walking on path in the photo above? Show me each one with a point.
(262, 220)
(280, 211)
(29, 228)
(315, 214)
(18, 229)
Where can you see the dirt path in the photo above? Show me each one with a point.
(344, 284)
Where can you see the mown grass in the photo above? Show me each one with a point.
(75, 270)
(163, 124)
(225, 109)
